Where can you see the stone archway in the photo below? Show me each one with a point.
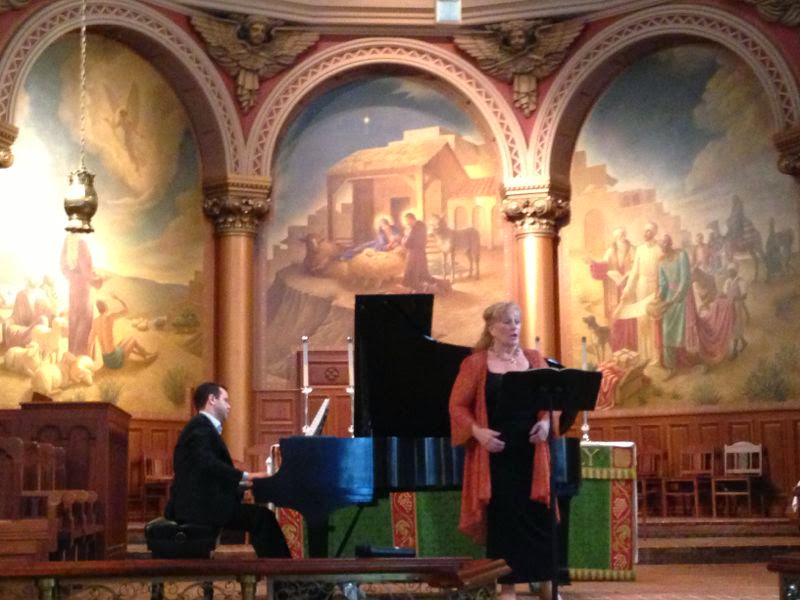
(594, 65)
(465, 79)
(169, 48)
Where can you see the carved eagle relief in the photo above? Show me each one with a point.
(251, 50)
(521, 53)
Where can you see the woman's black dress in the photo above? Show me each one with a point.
(518, 529)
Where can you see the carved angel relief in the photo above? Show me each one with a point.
(6, 5)
(521, 52)
(786, 12)
(251, 49)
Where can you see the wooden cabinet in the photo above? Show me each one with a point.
(95, 438)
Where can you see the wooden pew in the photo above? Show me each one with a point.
(456, 577)
(20, 536)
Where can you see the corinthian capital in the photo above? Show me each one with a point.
(788, 144)
(541, 209)
(236, 204)
(8, 133)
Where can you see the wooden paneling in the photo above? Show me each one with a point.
(777, 430)
(95, 438)
(147, 437)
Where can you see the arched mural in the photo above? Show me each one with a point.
(384, 184)
(118, 314)
(680, 256)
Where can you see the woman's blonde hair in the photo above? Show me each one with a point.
(491, 314)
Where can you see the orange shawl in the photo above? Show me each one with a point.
(468, 407)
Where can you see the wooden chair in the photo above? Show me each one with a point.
(695, 472)
(157, 479)
(650, 482)
(742, 468)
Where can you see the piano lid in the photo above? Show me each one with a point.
(403, 376)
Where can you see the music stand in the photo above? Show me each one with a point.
(525, 393)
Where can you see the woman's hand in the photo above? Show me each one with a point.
(488, 438)
(539, 431)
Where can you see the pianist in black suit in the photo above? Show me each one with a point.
(505, 496)
(207, 487)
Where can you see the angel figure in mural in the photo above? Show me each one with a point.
(251, 49)
(126, 120)
(521, 52)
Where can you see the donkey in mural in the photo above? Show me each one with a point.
(450, 241)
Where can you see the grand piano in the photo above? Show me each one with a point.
(401, 422)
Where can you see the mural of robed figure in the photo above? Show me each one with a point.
(76, 265)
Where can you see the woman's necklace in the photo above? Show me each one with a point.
(508, 357)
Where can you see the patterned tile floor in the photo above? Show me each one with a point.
(683, 582)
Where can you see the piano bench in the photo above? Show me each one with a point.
(169, 539)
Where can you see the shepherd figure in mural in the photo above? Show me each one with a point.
(76, 265)
(640, 290)
(32, 307)
(613, 271)
(114, 354)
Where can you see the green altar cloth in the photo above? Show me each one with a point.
(602, 534)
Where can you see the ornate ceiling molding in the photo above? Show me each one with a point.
(56, 19)
(418, 13)
(687, 20)
(495, 111)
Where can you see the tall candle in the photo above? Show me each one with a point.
(537, 345)
(304, 339)
(350, 362)
(584, 362)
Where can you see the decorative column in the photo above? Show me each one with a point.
(236, 204)
(8, 133)
(788, 144)
(538, 212)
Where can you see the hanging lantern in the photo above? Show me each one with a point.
(80, 201)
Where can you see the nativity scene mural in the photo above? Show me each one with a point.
(384, 185)
(118, 314)
(680, 259)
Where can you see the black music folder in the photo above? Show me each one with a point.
(526, 392)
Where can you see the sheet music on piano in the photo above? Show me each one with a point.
(318, 422)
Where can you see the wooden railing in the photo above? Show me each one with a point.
(286, 578)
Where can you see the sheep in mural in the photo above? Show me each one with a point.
(77, 369)
(49, 338)
(23, 360)
(47, 379)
